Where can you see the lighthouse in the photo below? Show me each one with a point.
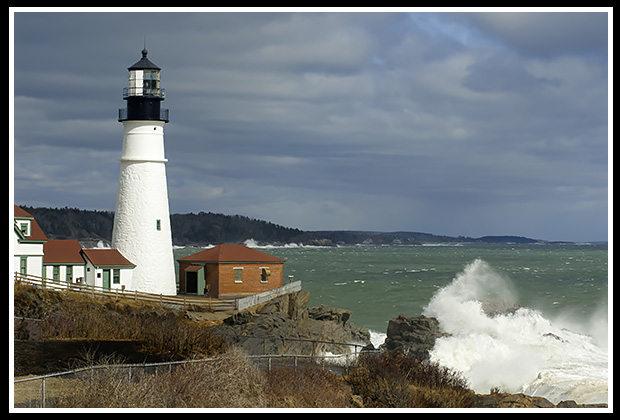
(141, 229)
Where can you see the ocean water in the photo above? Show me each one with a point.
(555, 346)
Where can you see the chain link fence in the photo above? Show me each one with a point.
(46, 390)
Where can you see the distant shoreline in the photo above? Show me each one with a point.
(206, 228)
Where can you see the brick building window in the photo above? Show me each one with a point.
(238, 274)
(264, 274)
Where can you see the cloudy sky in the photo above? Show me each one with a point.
(456, 123)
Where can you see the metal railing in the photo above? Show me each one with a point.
(142, 91)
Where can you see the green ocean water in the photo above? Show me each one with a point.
(378, 283)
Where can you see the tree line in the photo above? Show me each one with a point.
(206, 228)
(187, 229)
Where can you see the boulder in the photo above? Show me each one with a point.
(239, 318)
(412, 335)
(493, 307)
(327, 313)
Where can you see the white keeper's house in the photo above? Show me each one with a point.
(28, 243)
(64, 261)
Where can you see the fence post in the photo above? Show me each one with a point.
(43, 392)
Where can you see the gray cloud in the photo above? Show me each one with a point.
(543, 34)
(447, 123)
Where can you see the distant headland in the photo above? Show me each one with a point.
(206, 228)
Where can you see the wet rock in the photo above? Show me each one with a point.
(413, 335)
(493, 307)
(505, 400)
(327, 313)
(573, 404)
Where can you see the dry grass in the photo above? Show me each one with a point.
(383, 381)
(311, 387)
(229, 381)
(77, 316)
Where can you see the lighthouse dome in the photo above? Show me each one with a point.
(144, 63)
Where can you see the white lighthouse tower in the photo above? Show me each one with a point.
(142, 220)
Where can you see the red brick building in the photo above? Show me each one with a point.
(229, 271)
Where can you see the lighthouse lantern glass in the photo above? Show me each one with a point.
(136, 78)
(151, 83)
(144, 83)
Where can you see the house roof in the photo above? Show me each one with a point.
(231, 253)
(62, 251)
(36, 233)
(107, 258)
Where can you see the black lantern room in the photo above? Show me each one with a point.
(144, 94)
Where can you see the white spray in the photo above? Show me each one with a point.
(519, 351)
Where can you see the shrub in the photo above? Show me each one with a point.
(231, 380)
(311, 387)
(394, 379)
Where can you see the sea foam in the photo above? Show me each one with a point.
(519, 351)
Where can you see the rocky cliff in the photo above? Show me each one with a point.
(287, 325)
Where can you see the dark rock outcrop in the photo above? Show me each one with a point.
(505, 400)
(286, 325)
(412, 335)
(327, 313)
